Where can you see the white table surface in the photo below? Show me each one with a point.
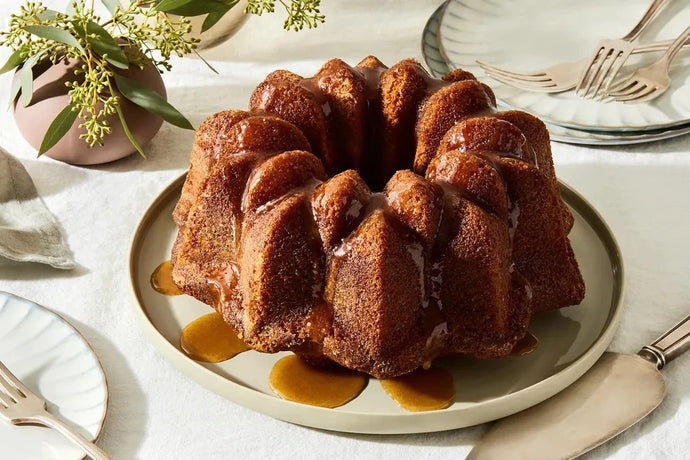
(158, 413)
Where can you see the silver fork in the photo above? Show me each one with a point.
(19, 406)
(610, 55)
(557, 78)
(651, 81)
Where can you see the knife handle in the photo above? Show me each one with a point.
(670, 345)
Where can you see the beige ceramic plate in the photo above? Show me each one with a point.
(571, 340)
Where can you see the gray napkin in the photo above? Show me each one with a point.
(28, 230)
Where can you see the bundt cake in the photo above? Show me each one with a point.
(376, 217)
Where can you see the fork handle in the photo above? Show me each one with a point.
(91, 449)
(676, 46)
(655, 47)
(648, 16)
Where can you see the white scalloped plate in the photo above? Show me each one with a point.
(50, 357)
(571, 340)
(524, 35)
(437, 65)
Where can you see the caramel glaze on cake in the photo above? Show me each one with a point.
(375, 217)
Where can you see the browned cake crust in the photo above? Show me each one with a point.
(376, 217)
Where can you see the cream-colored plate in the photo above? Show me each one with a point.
(528, 35)
(46, 353)
(571, 340)
(438, 67)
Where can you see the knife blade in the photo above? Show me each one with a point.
(617, 392)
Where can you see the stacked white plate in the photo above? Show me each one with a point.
(527, 35)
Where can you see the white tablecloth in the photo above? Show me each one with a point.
(158, 413)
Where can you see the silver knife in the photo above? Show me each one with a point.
(617, 392)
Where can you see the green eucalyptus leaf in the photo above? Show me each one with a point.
(16, 86)
(58, 128)
(193, 8)
(112, 5)
(47, 15)
(105, 45)
(26, 79)
(205, 61)
(213, 18)
(13, 61)
(150, 100)
(167, 5)
(55, 34)
(129, 134)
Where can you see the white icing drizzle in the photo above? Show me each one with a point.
(434, 343)
(416, 251)
(437, 332)
(342, 249)
(271, 204)
(355, 209)
(528, 290)
(317, 287)
(225, 283)
(326, 107)
(513, 215)
(436, 278)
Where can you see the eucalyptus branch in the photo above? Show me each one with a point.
(138, 34)
(301, 13)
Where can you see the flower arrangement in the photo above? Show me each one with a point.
(134, 35)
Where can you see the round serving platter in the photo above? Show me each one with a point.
(571, 340)
(51, 358)
(436, 62)
(501, 33)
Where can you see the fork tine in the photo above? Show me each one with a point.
(643, 90)
(528, 83)
(9, 392)
(612, 74)
(636, 88)
(492, 68)
(9, 377)
(534, 89)
(633, 87)
(525, 78)
(527, 87)
(591, 67)
(487, 66)
(594, 71)
(656, 92)
(621, 84)
(604, 72)
(601, 62)
(5, 396)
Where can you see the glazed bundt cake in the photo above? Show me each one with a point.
(376, 217)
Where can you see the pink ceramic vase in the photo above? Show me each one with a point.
(50, 97)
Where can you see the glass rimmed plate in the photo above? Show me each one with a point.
(503, 34)
(51, 358)
(438, 67)
(571, 340)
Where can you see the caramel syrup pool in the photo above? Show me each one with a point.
(161, 280)
(422, 390)
(211, 340)
(294, 380)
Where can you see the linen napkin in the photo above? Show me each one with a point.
(28, 230)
